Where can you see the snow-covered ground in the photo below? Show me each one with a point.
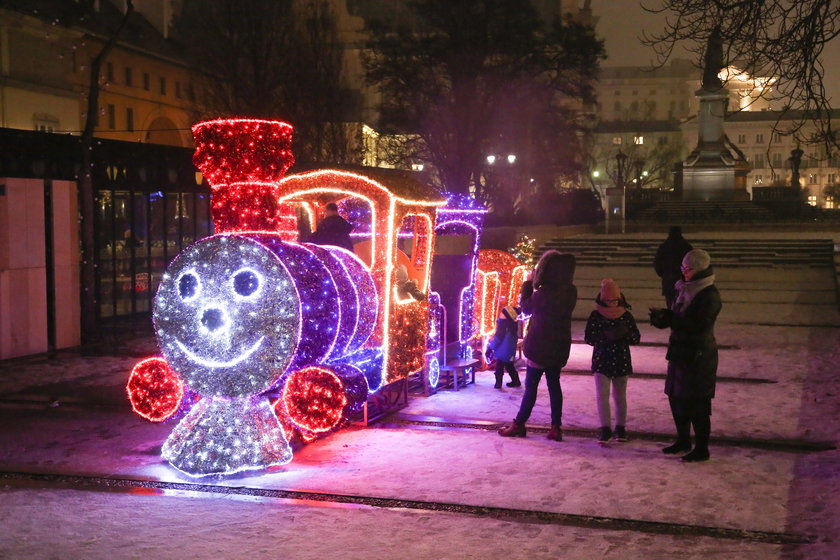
(429, 490)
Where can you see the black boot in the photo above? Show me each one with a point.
(514, 378)
(499, 375)
(702, 430)
(683, 442)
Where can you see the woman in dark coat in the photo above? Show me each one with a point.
(692, 354)
(549, 299)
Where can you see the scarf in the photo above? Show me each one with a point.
(687, 291)
(610, 312)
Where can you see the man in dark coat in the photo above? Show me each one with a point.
(692, 354)
(549, 299)
(333, 229)
(667, 262)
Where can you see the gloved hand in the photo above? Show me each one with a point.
(661, 318)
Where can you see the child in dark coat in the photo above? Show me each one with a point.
(502, 346)
(611, 329)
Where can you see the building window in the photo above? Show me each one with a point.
(634, 107)
(129, 78)
(617, 140)
(832, 178)
(777, 138)
(163, 86)
(758, 180)
(129, 119)
(812, 178)
(812, 199)
(147, 81)
(638, 140)
(178, 90)
(758, 161)
(742, 138)
(45, 122)
(109, 72)
(663, 140)
(777, 160)
(617, 106)
(112, 116)
(759, 138)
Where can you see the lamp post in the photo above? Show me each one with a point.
(620, 160)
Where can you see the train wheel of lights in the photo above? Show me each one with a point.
(314, 399)
(154, 389)
(433, 371)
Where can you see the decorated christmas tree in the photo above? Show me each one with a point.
(524, 249)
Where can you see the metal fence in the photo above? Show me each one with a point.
(150, 204)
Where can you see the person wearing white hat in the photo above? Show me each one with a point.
(692, 354)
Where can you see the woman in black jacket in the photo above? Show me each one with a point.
(692, 354)
(549, 299)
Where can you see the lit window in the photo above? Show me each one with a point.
(44, 122)
(639, 140)
(758, 180)
(812, 199)
(812, 178)
(616, 140)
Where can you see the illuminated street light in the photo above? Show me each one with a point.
(491, 159)
(511, 158)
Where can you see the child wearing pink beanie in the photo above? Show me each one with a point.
(610, 330)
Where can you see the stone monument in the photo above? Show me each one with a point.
(715, 169)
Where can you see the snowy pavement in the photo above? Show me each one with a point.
(84, 479)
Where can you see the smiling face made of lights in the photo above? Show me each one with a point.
(227, 317)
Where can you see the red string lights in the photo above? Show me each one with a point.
(155, 391)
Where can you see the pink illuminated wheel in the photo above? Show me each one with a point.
(154, 389)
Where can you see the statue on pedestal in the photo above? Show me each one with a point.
(713, 61)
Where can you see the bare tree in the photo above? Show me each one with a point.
(473, 79)
(87, 210)
(270, 59)
(779, 39)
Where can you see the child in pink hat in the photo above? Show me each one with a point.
(610, 330)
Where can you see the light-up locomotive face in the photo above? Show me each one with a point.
(227, 316)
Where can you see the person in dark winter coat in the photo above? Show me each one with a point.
(502, 347)
(692, 354)
(549, 299)
(333, 229)
(611, 329)
(667, 262)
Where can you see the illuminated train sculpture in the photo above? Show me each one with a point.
(266, 340)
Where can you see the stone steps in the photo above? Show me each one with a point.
(790, 283)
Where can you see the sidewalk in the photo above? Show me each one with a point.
(84, 479)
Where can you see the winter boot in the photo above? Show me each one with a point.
(514, 379)
(514, 430)
(683, 442)
(620, 433)
(702, 429)
(498, 384)
(555, 433)
(604, 434)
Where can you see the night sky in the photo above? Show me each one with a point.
(622, 22)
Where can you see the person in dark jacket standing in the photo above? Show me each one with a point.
(610, 330)
(549, 299)
(667, 262)
(333, 229)
(692, 354)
